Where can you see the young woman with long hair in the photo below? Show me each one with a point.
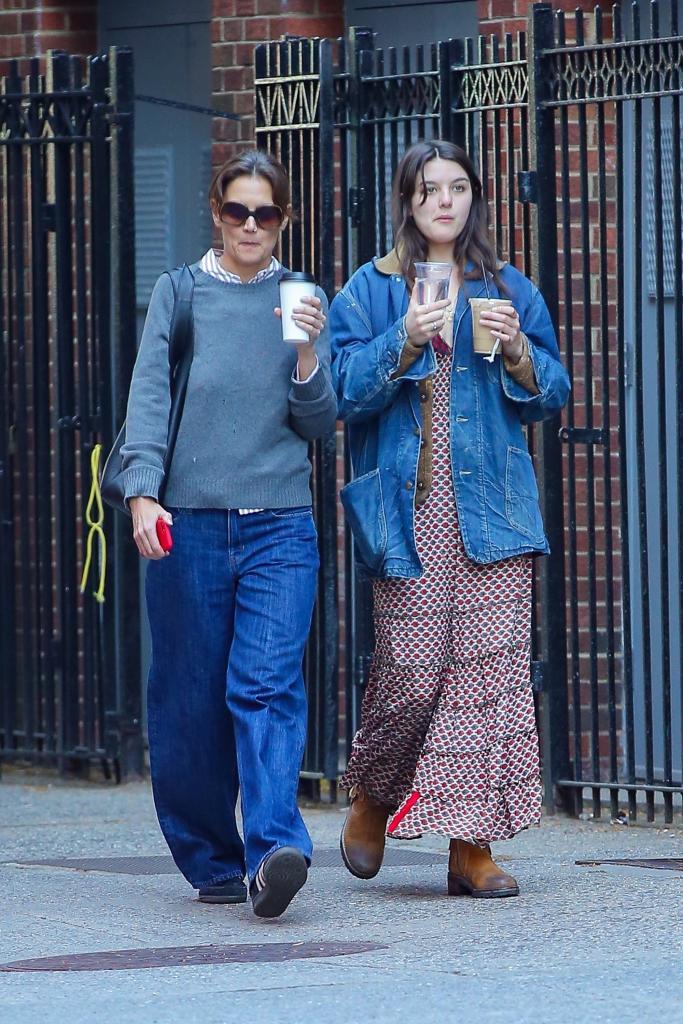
(445, 517)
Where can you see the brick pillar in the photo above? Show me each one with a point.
(237, 27)
(32, 27)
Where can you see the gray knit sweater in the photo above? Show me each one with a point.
(243, 438)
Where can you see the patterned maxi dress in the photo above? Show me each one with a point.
(448, 734)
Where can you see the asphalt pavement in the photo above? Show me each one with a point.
(97, 925)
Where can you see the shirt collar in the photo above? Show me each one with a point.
(210, 265)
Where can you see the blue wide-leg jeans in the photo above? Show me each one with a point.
(230, 611)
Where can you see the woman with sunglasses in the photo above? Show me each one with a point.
(445, 516)
(230, 605)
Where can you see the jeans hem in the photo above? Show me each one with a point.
(218, 880)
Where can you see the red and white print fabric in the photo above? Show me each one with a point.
(448, 733)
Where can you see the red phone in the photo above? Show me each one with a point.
(164, 534)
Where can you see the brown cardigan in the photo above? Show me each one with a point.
(522, 372)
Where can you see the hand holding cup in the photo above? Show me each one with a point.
(308, 316)
(303, 318)
(503, 324)
(300, 309)
(424, 322)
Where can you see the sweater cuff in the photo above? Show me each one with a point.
(295, 378)
(523, 371)
(308, 390)
(142, 482)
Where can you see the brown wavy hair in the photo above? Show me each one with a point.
(473, 242)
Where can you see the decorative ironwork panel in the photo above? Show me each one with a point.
(614, 71)
(501, 86)
(287, 86)
(287, 95)
(395, 98)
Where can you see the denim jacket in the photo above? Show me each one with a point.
(493, 475)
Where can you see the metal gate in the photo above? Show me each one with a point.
(559, 127)
(69, 665)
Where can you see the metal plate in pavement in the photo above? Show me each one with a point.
(190, 956)
(662, 863)
(164, 865)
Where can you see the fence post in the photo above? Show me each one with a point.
(552, 610)
(59, 80)
(361, 207)
(124, 722)
(361, 184)
(8, 637)
(327, 446)
(451, 126)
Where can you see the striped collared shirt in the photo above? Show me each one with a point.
(210, 264)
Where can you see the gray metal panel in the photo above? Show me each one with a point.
(172, 61)
(124, 14)
(408, 23)
(153, 223)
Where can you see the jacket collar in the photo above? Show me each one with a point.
(389, 264)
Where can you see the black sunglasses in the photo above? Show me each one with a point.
(236, 214)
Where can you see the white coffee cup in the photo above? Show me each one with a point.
(293, 286)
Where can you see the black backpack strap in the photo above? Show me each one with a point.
(180, 335)
(181, 351)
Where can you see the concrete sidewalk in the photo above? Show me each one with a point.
(581, 944)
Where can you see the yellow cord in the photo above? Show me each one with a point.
(95, 526)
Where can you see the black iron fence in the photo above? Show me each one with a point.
(69, 665)
(578, 143)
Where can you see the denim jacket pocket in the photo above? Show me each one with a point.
(521, 495)
(364, 510)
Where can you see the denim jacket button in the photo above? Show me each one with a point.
(416, 431)
(420, 485)
(409, 485)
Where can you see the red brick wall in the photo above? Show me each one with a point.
(511, 15)
(237, 27)
(29, 28)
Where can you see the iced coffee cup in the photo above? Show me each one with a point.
(483, 341)
(294, 286)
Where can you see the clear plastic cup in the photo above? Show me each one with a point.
(432, 281)
(293, 286)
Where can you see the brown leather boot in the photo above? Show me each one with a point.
(362, 837)
(472, 872)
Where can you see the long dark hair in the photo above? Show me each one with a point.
(472, 243)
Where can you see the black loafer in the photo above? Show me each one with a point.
(277, 881)
(232, 891)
